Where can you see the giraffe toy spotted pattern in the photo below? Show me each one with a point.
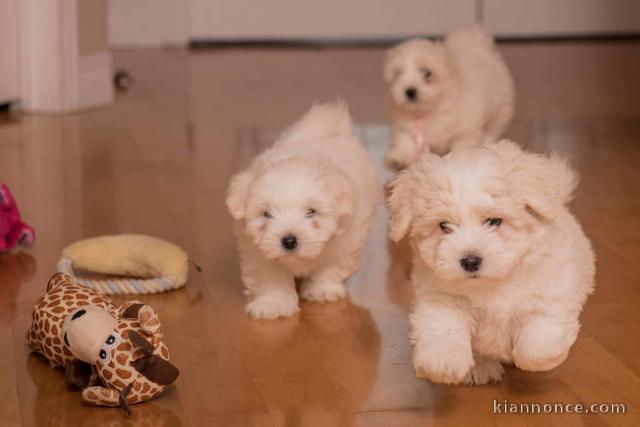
(116, 354)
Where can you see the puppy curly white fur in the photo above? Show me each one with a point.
(303, 211)
(501, 268)
(445, 95)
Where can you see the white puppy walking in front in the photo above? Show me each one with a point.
(303, 211)
(442, 96)
(501, 268)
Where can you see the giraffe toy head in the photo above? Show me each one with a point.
(128, 353)
(89, 333)
(76, 327)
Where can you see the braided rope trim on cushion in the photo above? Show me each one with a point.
(119, 285)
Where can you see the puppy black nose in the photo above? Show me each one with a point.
(289, 242)
(411, 93)
(471, 263)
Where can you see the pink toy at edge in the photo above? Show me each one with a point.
(13, 231)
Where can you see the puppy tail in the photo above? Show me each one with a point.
(323, 120)
(471, 37)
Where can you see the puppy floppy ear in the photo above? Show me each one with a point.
(237, 194)
(342, 190)
(401, 189)
(409, 193)
(542, 184)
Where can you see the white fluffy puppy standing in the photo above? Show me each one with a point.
(303, 211)
(445, 95)
(501, 268)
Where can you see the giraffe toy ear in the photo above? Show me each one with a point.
(131, 310)
(154, 368)
(140, 342)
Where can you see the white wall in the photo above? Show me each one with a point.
(9, 89)
(561, 17)
(148, 23)
(337, 19)
(175, 22)
(92, 26)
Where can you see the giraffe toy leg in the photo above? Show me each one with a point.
(108, 397)
(101, 396)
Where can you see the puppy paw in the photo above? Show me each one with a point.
(443, 365)
(272, 306)
(396, 160)
(537, 360)
(542, 345)
(322, 291)
(484, 371)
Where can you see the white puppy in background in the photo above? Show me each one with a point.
(501, 268)
(445, 95)
(303, 211)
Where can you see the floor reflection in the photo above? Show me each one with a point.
(56, 404)
(321, 362)
(15, 269)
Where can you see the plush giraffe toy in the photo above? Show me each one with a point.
(121, 347)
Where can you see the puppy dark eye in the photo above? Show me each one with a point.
(493, 222)
(427, 74)
(267, 214)
(444, 226)
(310, 213)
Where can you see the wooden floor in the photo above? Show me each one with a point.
(158, 162)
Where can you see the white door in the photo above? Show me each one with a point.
(324, 19)
(561, 17)
(9, 90)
